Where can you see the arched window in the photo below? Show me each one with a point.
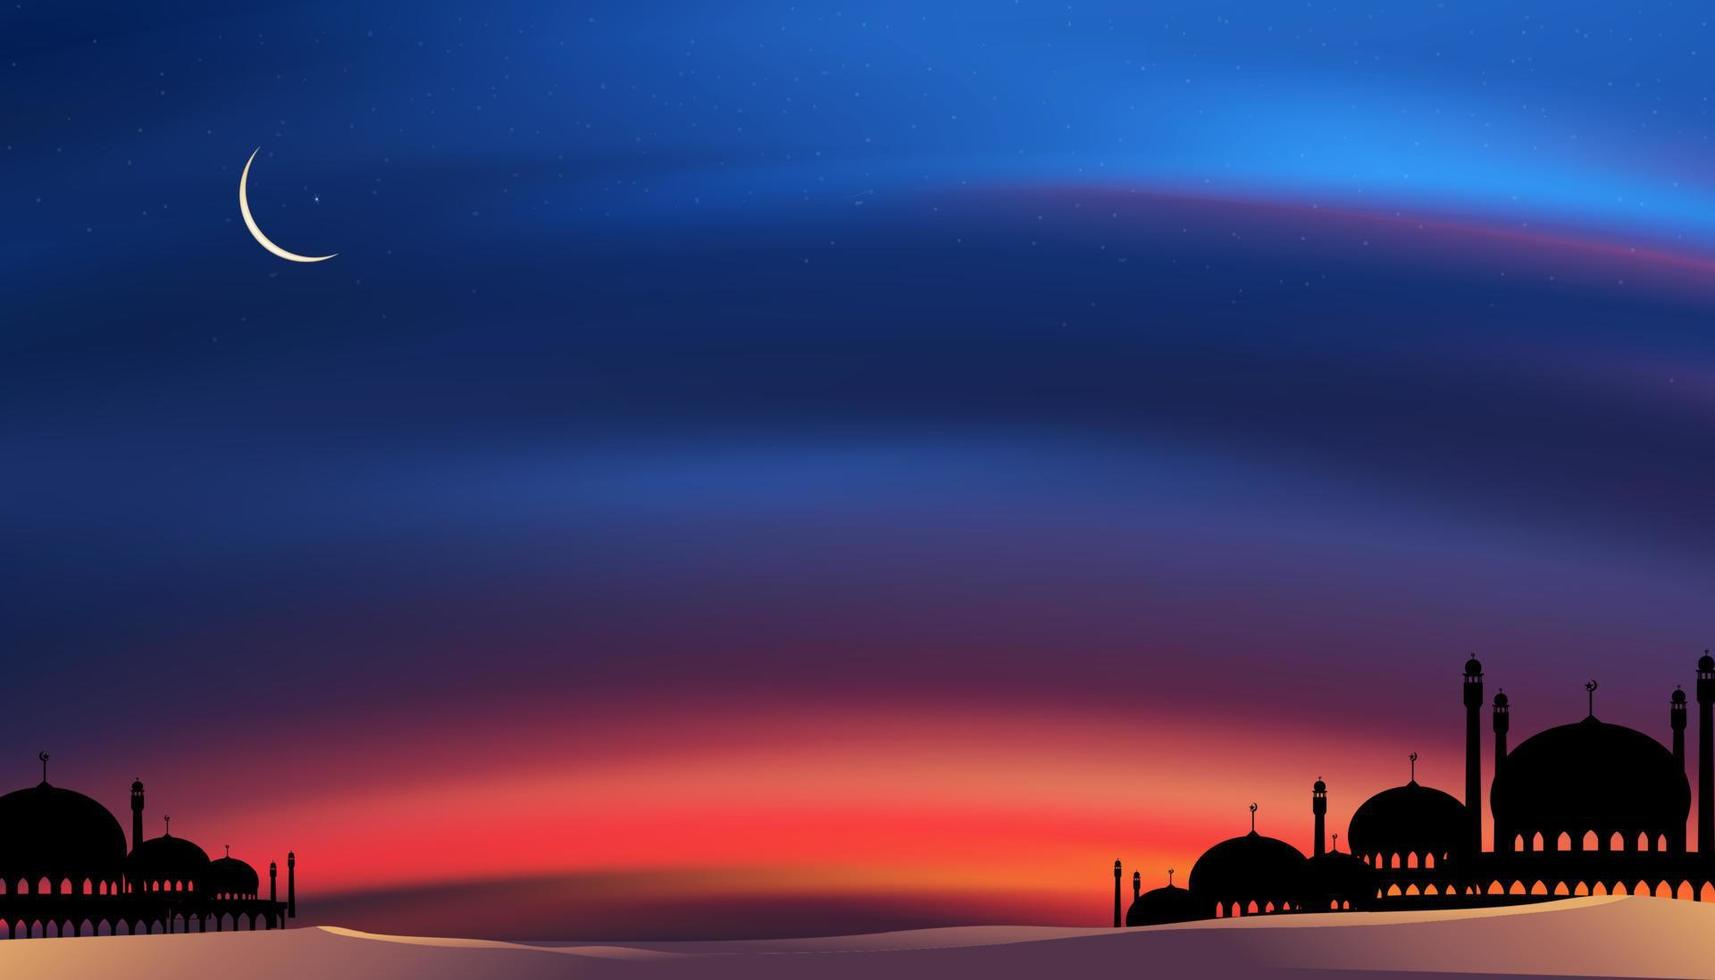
(1251, 909)
(1683, 892)
(1428, 860)
(1430, 889)
(1661, 842)
(1706, 893)
(1411, 889)
(1616, 842)
(1563, 842)
(1590, 842)
(1495, 888)
(1643, 841)
(1561, 889)
(1538, 888)
(1598, 889)
(1392, 890)
(1268, 908)
(1536, 841)
(1411, 859)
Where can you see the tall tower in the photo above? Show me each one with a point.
(1136, 884)
(1705, 755)
(292, 884)
(1676, 721)
(1117, 873)
(1319, 806)
(273, 879)
(1502, 722)
(136, 813)
(1473, 755)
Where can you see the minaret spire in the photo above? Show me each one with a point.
(1319, 809)
(1253, 818)
(44, 757)
(1118, 921)
(1170, 877)
(1473, 756)
(1590, 693)
(169, 830)
(1503, 722)
(1705, 755)
(1414, 767)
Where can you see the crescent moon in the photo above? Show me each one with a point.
(250, 222)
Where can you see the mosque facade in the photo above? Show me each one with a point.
(1586, 808)
(65, 870)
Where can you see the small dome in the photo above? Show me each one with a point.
(1678, 696)
(1590, 775)
(1169, 903)
(1319, 787)
(1501, 699)
(1410, 819)
(167, 858)
(230, 876)
(53, 833)
(1473, 667)
(1706, 663)
(1337, 877)
(1247, 868)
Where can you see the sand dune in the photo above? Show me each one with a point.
(1584, 937)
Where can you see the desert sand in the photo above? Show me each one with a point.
(1582, 937)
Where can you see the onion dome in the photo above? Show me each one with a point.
(1500, 699)
(53, 833)
(1319, 787)
(1706, 663)
(1591, 775)
(1409, 819)
(1678, 696)
(1249, 868)
(1473, 667)
(229, 877)
(1337, 877)
(169, 859)
(1170, 903)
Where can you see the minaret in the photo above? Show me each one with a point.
(1117, 874)
(1676, 721)
(1473, 755)
(1503, 721)
(273, 877)
(1705, 755)
(1319, 806)
(136, 813)
(292, 884)
(1136, 884)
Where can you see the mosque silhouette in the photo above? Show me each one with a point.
(64, 871)
(1587, 808)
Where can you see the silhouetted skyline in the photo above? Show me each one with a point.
(1579, 809)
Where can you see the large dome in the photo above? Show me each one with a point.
(1336, 877)
(1591, 776)
(1252, 867)
(1409, 819)
(169, 859)
(229, 876)
(53, 833)
(1168, 903)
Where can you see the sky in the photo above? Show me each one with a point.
(789, 468)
